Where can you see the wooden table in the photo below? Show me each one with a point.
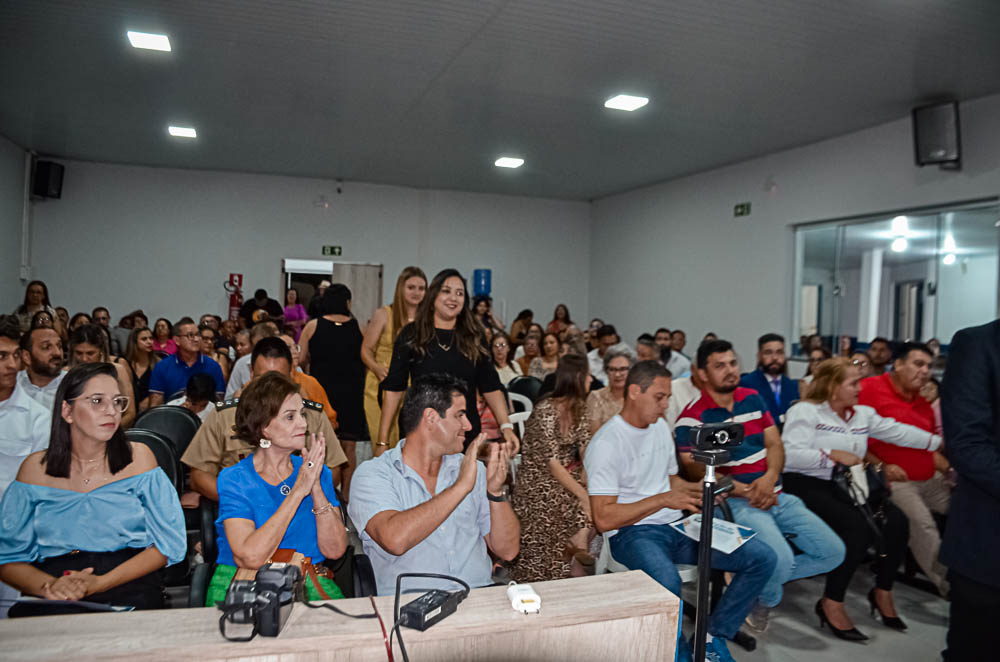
(620, 616)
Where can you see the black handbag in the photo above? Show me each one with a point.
(870, 505)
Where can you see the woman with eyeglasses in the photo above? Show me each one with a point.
(863, 363)
(93, 517)
(603, 404)
(89, 344)
(208, 336)
(824, 433)
(816, 356)
(507, 370)
(163, 337)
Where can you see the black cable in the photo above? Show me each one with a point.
(329, 606)
(229, 611)
(395, 608)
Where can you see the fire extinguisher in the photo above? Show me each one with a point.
(235, 288)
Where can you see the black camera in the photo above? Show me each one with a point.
(264, 603)
(712, 442)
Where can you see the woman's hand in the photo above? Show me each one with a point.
(895, 473)
(312, 466)
(512, 443)
(74, 585)
(845, 458)
(585, 507)
(381, 372)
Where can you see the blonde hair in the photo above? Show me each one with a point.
(398, 308)
(827, 376)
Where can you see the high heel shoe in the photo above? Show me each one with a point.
(894, 622)
(848, 635)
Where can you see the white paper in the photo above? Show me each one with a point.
(727, 536)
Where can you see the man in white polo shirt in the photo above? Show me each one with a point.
(635, 493)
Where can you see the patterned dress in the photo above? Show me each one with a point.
(549, 514)
(602, 406)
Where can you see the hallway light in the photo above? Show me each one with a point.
(899, 244)
(900, 227)
(949, 259)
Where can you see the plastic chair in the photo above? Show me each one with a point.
(163, 449)
(177, 424)
(527, 386)
(521, 403)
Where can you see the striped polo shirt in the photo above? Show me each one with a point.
(748, 461)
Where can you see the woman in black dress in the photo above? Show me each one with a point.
(445, 337)
(331, 352)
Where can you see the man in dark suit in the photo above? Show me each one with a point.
(970, 407)
(770, 380)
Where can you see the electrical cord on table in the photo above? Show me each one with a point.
(395, 608)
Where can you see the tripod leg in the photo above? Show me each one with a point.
(704, 568)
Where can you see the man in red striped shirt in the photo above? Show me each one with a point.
(917, 476)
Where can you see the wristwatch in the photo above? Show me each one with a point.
(503, 496)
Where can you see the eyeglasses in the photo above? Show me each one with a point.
(860, 364)
(101, 402)
(501, 345)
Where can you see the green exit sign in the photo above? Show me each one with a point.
(742, 209)
(332, 250)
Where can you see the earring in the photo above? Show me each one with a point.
(265, 443)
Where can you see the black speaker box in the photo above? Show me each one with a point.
(48, 179)
(936, 136)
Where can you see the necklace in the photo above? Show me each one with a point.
(284, 489)
(438, 341)
(88, 480)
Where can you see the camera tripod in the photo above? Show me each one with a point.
(711, 459)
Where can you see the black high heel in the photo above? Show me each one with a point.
(894, 622)
(848, 635)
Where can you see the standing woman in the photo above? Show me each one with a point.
(93, 517)
(549, 360)
(295, 313)
(376, 350)
(824, 433)
(36, 299)
(89, 344)
(445, 338)
(560, 320)
(603, 404)
(554, 509)
(140, 359)
(331, 352)
(163, 337)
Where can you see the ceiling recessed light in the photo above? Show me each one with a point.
(900, 226)
(508, 162)
(949, 259)
(899, 244)
(949, 243)
(626, 102)
(149, 41)
(182, 131)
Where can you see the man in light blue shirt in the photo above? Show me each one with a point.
(423, 506)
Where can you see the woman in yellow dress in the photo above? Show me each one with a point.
(376, 350)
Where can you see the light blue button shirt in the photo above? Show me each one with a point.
(455, 548)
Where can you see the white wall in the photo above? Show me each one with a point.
(967, 294)
(673, 254)
(11, 204)
(165, 240)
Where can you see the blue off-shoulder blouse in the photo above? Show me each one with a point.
(38, 522)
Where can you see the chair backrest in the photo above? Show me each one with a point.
(177, 424)
(164, 452)
(521, 402)
(518, 418)
(527, 386)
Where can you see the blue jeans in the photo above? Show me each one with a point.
(822, 549)
(657, 548)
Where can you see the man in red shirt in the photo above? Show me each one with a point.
(917, 476)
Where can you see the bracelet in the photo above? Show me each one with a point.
(506, 426)
(328, 506)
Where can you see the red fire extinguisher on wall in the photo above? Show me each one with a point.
(235, 289)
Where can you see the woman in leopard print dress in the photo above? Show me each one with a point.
(551, 495)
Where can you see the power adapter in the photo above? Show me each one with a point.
(429, 608)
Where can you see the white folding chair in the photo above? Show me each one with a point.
(607, 563)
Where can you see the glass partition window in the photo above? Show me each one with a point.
(904, 276)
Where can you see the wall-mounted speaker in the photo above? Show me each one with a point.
(47, 179)
(937, 139)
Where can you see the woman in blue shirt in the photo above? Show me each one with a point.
(93, 517)
(273, 499)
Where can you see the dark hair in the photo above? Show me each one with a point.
(435, 391)
(570, 383)
(902, 352)
(94, 312)
(481, 298)
(568, 320)
(35, 323)
(271, 347)
(132, 347)
(184, 321)
(826, 355)
(200, 388)
(468, 332)
(527, 313)
(646, 341)
(334, 301)
(202, 327)
(10, 328)
(644, 373)
(881, 340)
(709, 347)
(501, 334)
(260, 402)
(170, 327)
(25, 343)
(662, 329)
(260, 294)
(681, 331)
(59, 454)
(607, 330)
(77, 316)
(92, 334)
(541, 342)
(769, 337)
(645, 336)
(138, 314)
(45, 296)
